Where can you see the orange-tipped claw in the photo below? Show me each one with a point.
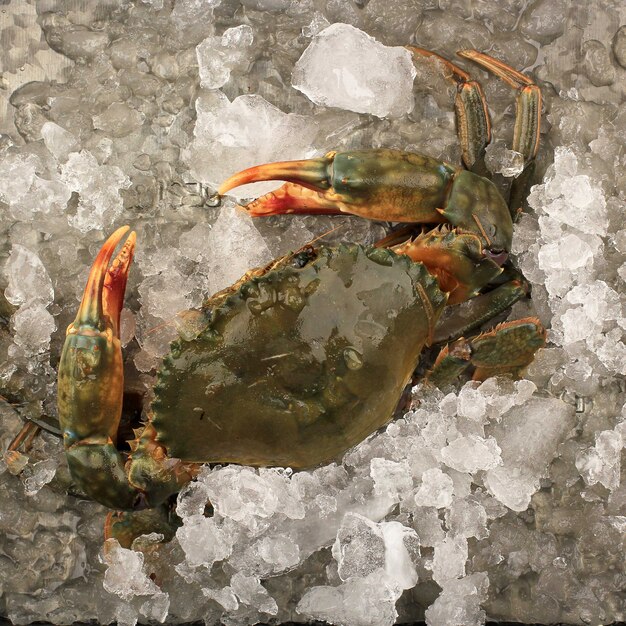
(309, 173)
(291, 198)
(115, 282)
(104, 292)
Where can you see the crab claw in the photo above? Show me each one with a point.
(308, 187)
(91, 379)
(379, 184)
(101, 305)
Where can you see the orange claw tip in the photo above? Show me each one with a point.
(90, 312)
(310, 173)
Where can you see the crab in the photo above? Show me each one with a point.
(303, 359)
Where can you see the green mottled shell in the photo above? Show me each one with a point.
(300, 364)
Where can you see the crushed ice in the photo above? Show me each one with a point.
(501, 499)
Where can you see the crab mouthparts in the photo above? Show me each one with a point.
(103, 297)
(308, 188)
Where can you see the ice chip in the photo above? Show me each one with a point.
(242, 133)
(250, 591)
(118, 120)
(365, 601)
(346, 68)
(233, 246)
(203, 541)
(98, 187)
(449, 559)
(471, 453)
(29, 281)
(125, 575)
(219, 56)
(601, 463)
(280, 552)
(459, 602)
(436, 489)
(528, 437)
(59, 141)
(33, 326)
(468, 518)
(43, 472)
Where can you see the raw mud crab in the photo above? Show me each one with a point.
(301, 360)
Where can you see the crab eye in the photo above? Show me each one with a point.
(497, 256)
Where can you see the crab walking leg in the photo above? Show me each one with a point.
(527, 121)
(506, 349)
(472, 114)
(528, 103)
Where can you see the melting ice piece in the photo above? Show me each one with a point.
(471, 453)
(376, 563)
(601, 463)
(528, 437)
(98, 187)
(250, 591)
(500, 159)
(436, 489)
(232, 247)
(231, 136)
(449, 560)
(125, 575)
(219, 56)
(28, 278)
(346, 68)
(459, 602)
(43, 473)
(357, 602)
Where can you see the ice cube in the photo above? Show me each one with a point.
(436, 489)
(245, 132)
(500, 159)
(280, 552)
(203, 541)
(391, 477)
(449, 559)
(59, 141)
(29, 281)
(33, 326)
(358, 602)
(346, 68)
(250, 591)
(528, 437)
(468, 518)
(98, 187)
(233, 246)
(42, 473)
(219, 56)
(125, 575)
(459, 602)
(601, 463)
(471, 453)
(118, 120)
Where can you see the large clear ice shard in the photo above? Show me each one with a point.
(346, 68)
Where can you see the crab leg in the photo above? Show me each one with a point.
(506, 349)
(528, 103)
(527, 121)
(474, 125)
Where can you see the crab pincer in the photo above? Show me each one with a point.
(91, 378)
